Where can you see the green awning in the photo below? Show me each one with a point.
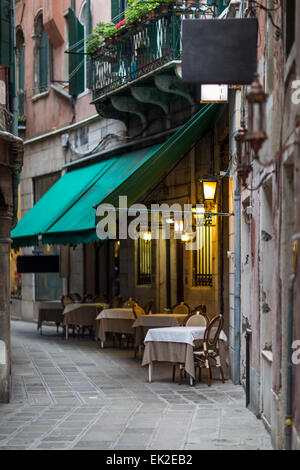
(66, 214)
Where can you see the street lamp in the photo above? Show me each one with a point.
(256, 98)
(209, 187)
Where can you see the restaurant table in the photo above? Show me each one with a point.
(52, 311)
(83, 314)
(145, 322)
(115, 320)
(176, 344)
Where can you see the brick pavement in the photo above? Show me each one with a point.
(72, 395)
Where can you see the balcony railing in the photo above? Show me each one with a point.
(146, 47)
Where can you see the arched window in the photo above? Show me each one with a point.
(20, 43)
(41, 55)
(85, 19)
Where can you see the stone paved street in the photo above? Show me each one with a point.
(72, 395)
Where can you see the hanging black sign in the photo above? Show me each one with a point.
(38, 264)
(219, 51)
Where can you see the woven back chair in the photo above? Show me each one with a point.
(210, 348)
(66, 299)
(87, 298)
(116, 302)
(148, 306)
(100, 298)
(76, 297)
(201, 308)
(138, 311)
(198, 318)
(130, 302)
(181, 307)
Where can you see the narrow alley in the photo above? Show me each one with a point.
(73, 395)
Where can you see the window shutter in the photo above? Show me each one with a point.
(44, 60)
(89, 31)
(76, 61)
(5, 32)
(21, 84)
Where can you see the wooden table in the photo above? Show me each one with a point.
(115, 320)
(52, 311)
(175, 345)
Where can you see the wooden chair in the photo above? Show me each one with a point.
(138, 311)
(130, 302)
(198, 318)
(116, 302)
(100, 298)
(148, 306)
(181, 307)
(87, 298)
(66, 299)
(210, 348)
(76, 297)
(200, 307)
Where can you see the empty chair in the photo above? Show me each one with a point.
(100, 298)
(138, 311)
(87, 298)
(200, 307)
(66, 299)
(148, 306)
(130, 302)
(198, 318)
(76, 297)
(210, 348)
(116, 302)
(181, 307)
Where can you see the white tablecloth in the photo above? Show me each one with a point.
(179, 334)
(117, 313)
(71, 307)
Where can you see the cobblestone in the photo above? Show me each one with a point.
(73, 395)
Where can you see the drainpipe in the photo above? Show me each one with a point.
(248, 336)
(289, 376)
(237, 283)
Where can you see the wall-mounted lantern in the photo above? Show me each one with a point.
(209, 187)
(257, 99)
(243, 153)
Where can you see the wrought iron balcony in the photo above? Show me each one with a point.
(145, 48)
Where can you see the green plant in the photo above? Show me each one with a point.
(136, 10)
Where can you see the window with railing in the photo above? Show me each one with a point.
(202, 262)
(141, 48)
(143, 259)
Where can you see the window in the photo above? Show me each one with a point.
(20, 74)
(41, 56)
(117, 8)
(143, 261)
(48, 286)
(202, 263)
(290, 25)
(85, 19)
